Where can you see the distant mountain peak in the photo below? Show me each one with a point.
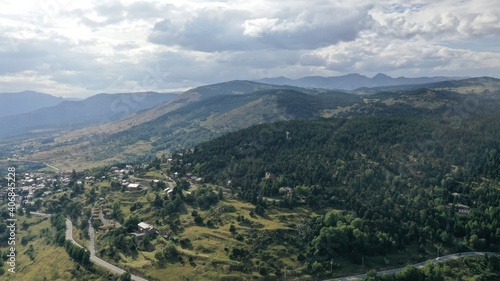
(380, 76)
(26, 101)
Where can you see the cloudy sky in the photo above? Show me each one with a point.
(80, 48)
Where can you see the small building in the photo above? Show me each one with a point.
(28, 203)
(460, 208)
(133, 186)
(145, 227)
(24, 190)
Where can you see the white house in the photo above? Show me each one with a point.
(133, 186)
(145, 227)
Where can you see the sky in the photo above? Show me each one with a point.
(80, 48)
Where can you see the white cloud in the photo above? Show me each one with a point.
(257, 27)
(84, 47)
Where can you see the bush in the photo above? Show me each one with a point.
(198, 220)
(169, 252)
(239, 237)
(125, 276)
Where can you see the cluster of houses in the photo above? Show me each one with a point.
(119, 175)
(190, 177)
(27, 184)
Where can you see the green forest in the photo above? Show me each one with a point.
(388, 182)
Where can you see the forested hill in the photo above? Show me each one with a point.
(317, 152)
(396, 176)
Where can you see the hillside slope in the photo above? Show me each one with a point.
(101, 108)
(206, 112)
(397, 182)
(192, 117)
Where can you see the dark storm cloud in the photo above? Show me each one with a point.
(213, 29)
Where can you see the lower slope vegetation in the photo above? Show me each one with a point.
(397, 183)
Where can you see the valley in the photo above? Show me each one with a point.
(249, 181)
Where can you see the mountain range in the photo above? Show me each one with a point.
(209, 111)
(353, 81)
(271, 173)
(32, 111)
(98, 109)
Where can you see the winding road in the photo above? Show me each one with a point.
(418, 265)
(93, 257)
(115, 269)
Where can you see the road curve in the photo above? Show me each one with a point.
(94, 258)
(418, 265)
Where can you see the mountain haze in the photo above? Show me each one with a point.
(478, 85)
(23, 102)
(352, 81)
(101, 108)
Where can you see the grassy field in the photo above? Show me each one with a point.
(207, 257)
(85, 155)
(47, 262)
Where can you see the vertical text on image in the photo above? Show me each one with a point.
(11, 221)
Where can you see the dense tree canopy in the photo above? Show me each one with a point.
(399, 181)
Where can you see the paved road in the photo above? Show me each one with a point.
(419, 265)
(40, 214)
(92, 242)
(33, 161)
(93, 258)
(69, 233)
